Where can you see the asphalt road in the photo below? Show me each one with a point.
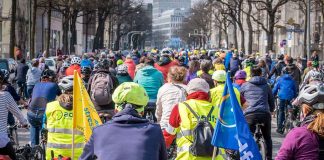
(276, 138)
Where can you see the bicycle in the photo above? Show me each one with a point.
(43, 142)
(258, 137)
(29, 153)
(172, 151)
(13, 135)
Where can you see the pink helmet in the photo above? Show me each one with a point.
(240, 75)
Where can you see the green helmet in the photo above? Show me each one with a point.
(315, 64)
(130, 92)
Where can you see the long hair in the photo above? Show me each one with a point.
(317, 125)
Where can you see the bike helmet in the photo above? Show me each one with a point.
(240, 75)
(280, 57)
(315, 64)
(166, 52)
(249, 62)
(120, 62)
(312, 95)
(66, 65)
(131, 93)
(122, 69)
(47, 73)
(219, 76)
(66, 83)
(86, 70)
(76, 60)
(103, 64)
(316, 76)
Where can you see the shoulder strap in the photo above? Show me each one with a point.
(191, 110)
(210, 112)
(181, 88)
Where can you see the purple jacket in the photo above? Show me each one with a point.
(299, 144)
(127, 137)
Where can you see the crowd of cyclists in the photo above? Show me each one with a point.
(152, 101)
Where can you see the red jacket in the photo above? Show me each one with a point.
(70, 71)
(165, 69)
(175, 118)
(131, 67)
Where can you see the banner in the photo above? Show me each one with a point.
(85, 116)
(232, 131)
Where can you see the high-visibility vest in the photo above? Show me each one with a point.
(248, 73)
(187, 125)
(59, 136)
(216, 95)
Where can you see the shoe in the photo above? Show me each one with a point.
(280, 131)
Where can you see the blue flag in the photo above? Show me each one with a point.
(232, 131)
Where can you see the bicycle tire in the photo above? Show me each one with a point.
(36, 153)
(20, 157)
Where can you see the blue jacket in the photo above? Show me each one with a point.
(286, 87)
(227, 60)
(86, 63)
(151, 79)
(258, 95)
(126, 137)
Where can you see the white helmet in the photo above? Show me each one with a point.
(122, 69)
(166, 52)
(66, 65)
(76, 60)
(66, 83)
(312, 95)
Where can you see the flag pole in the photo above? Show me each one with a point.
(214, 153)
(73, 117)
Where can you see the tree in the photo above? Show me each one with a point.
(33, 30)
(13, 28)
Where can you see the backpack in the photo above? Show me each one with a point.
(102, 88)
(202, 135)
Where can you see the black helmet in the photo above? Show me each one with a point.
(103, 64)
(86, 70)
(280, 57)
(47, 73)
(5, 74)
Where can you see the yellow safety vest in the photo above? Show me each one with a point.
(248, 73)
(216, 95)
(59, 136)
(187, 125)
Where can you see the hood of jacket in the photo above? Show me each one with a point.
(164, 61)
(148, 70)
(128, 116)
(35, 69)
(287, 77)
(258, 80)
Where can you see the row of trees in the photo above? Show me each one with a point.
(257, 15)
(119, 16)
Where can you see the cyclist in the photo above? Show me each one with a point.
(293, 70)
(277, 69)
(7, 104)
(59, 121)
(21, 73)
(75, 65)
(307, 141)
(239, 79)
(170, 94)
(122, 74)
(182, 121)
(248, 66)
(33, 76)
(165, 63)
(286, 89)
(260, 99)
(144, 139)
(43, 92)
(315, 72)
(86, 62)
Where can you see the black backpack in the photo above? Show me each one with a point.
(202, 135)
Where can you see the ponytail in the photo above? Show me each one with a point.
(317, 125)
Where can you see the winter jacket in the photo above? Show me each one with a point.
(286, 87)
(277, 69)
(168, 96)
(258, 95)
(21, 72)
(33, 76)
(234, 65)
(70, 71)
(299, 144)
(151, 79)
(123, 78)
(131, 67)
(127, 136)
(164, 68)
(295, 74)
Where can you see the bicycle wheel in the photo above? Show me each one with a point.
(36, 153)
(20, 157)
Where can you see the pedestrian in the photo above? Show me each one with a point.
(127, 128)
(33, 76)
(306, 141)
(261, 102)
(21, 73)
(44, 92)
(170, 94)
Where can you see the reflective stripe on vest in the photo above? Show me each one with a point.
(64, 130)
(184, 133)
(64, 146)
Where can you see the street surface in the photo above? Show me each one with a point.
(277, 139)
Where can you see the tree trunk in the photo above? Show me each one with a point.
(73, 40)
(86, 34)
(99, 37)
(49, 17)
(13, 29)
(65, 37)
(250, 28)
(220, 38)
(118, 36)
(33, 31)
(305, 35)
(235, 35)
(270, 34)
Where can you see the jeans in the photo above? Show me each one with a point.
(283, 104)
(30, 90)
(35, 121)
(265, 118)
(22, 88)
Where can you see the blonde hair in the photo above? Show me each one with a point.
(317, 125)
(177, 74)
(65, 98)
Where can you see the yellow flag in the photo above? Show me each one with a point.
(85, 116)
